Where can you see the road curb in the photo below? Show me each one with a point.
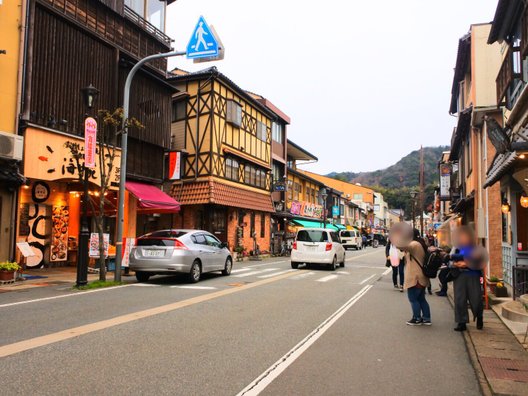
(484, 385)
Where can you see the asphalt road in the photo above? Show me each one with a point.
(266, 328)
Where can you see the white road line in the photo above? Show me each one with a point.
(302, 276)
(266, 378)
(62, 296)
(194, 287)
(367, 279)
(327, 278)
(256, 272)
(387, 271)
(275, 274)
(343, 272)
(145, 285)
(235, 271)
(368, 266)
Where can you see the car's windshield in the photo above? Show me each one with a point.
(312, 236)
(166, 234)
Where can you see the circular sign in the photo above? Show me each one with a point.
(40, 192)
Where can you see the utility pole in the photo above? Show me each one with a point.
(421, 190)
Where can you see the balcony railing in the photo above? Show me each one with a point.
(146, 25)
(509, 71)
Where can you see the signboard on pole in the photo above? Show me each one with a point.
(94, 245)
(445, 182)
(128, 244)
(174, 165)
(203, 42)
(90, 142)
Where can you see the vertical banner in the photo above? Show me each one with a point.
(90, 142)
(128, 243)
(174, 165)
(445, 182)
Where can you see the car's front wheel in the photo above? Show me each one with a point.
(228, 267)
(294, 265)
(196, 272)
(142, 276)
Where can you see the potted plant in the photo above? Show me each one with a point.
(239, 250)
(7, 270)
(501, 290)
(492, 283)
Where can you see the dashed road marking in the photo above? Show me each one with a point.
(236, 271)
(256, 272)
(327, 278)
(145, 285)
(367, 279)
(303, 275)
(194, 287)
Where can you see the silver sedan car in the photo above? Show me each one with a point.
(192, 252)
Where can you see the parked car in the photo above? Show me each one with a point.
(317, 246)
(351, 239)
(192, 252)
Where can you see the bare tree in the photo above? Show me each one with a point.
(107, 150)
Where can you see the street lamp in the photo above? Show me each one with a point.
(413, 194)
(89, 95)
(324, 195)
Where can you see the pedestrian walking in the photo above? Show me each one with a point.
(395, 260)
(415, 282)
(469, 260)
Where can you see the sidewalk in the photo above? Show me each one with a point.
(500, 360)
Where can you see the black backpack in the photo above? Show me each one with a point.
(432, 262)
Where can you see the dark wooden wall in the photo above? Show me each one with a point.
(65, 58)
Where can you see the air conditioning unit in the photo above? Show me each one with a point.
(11, 146)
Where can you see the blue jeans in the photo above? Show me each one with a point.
(419, 304)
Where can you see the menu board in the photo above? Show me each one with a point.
(94, 244)
(59, 236)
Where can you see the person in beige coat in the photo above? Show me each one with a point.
(416, 282)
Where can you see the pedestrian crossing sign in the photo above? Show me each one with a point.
(203, 42)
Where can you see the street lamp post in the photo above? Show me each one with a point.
(89, 95)
(124, 147)
(413, 194)
(324, 195)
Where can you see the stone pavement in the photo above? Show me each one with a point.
(500, 360)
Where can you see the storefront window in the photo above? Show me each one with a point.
(522, 226)
(262, 225)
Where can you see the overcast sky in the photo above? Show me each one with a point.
(364, 82)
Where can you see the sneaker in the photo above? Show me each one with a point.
(460, 327)
(426, 322)
(414, 322)
(395, 286)
(401, 289)
(441, 293)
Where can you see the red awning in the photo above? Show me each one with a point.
(151, 199)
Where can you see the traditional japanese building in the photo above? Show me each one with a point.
(69, 45)
(222, 136)
(473, 100)
(507, 169)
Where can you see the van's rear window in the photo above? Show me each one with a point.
(346, 234)
(312, 236)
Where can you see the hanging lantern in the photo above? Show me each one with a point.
(524, 200)
(505, 208)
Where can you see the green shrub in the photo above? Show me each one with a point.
(9, 266)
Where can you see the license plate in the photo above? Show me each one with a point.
(153, 253)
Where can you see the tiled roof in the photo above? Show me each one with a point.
(215, 192)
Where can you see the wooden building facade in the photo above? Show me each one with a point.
(224, 137)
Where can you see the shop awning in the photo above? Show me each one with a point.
(314, 224)
(151, 199)
(340, 227)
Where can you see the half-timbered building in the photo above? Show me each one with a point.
(70, 44)
(222, 135)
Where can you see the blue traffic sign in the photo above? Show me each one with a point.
(203, 43)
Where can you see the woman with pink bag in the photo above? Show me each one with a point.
(396, 260)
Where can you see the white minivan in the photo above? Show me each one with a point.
(317, 246)
(351, 239)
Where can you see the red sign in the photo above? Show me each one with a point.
(174, 165)
(90, 142)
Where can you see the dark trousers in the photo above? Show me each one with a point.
(444, 278)
(420, 306)
(467, 288)
(395, 271)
